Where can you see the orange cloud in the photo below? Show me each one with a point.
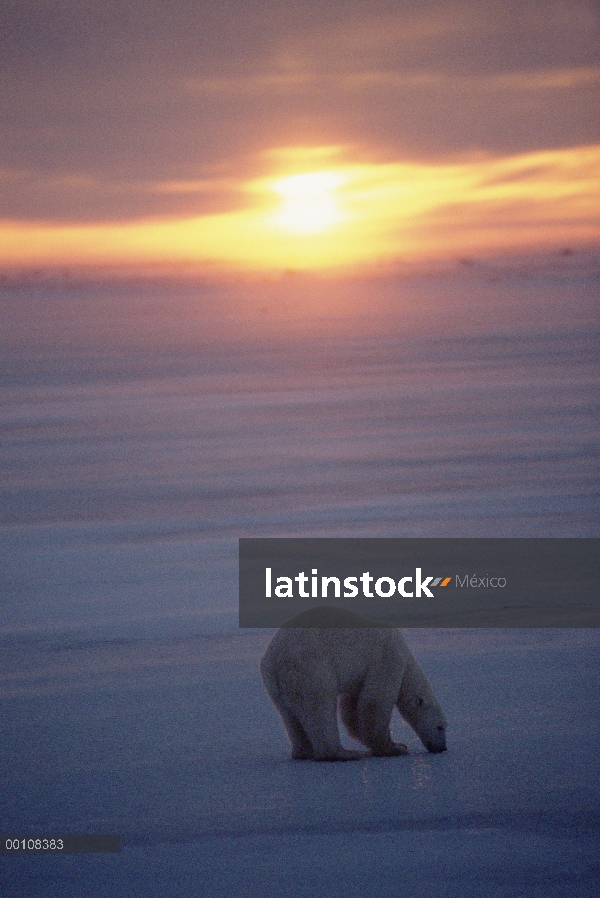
(318, 208)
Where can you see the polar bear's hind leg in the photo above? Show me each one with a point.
(301, 747)
(310, 720)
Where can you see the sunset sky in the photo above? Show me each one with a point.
(276, 134)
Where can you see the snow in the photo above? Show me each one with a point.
(138, 448)
(173, 745)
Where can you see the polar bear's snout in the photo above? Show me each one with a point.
(437, 742)
(421, 710)
(430, 728)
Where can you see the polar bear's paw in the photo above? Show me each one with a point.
(391, 751)
(340, 754)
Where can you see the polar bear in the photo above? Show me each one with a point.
(339, 656)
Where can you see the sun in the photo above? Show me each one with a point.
(309, 202)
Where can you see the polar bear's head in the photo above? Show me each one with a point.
(420, 708)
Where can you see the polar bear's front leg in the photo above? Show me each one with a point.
(366, 715)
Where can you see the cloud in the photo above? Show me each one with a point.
(352, 212)
(100, 99)
(456, 37)
(77, 198)
(246, 85)
(290, 84)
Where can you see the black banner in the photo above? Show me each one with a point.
(422, 582)
(44, 843)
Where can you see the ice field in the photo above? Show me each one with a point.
(148, 425)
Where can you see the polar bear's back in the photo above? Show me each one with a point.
(329, 616)
(333, 647)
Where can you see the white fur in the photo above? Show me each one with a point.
(307, 670)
